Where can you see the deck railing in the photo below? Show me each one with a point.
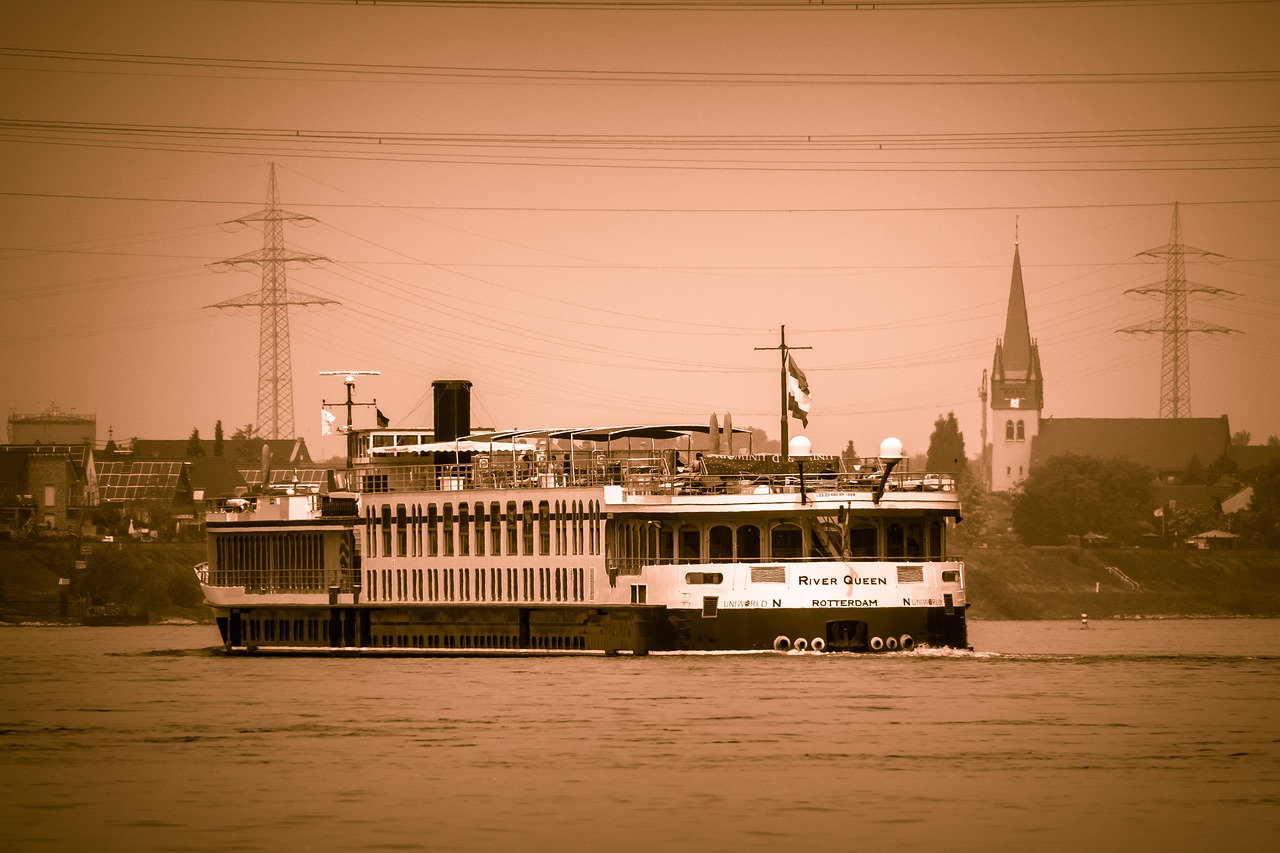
(636, 476)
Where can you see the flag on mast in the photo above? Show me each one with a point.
(326, 422)
(798, 400)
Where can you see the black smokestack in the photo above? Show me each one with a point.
(452, 408)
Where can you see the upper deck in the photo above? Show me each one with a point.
(644, 476)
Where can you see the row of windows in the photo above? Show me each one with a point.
(649, 542)
(270, 562)
(316, 632)
(562, 528)
(492, 584)
(1015, 431)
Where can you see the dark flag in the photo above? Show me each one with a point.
(383, 420)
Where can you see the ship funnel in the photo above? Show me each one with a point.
(452, 408)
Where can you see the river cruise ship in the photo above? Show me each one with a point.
(599, 540)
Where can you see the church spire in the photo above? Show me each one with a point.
(1016, 344)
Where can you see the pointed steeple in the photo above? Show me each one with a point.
(1016, 343)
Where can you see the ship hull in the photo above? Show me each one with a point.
(470, 630)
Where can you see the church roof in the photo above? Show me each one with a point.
(1165, 444)
(1016, 346)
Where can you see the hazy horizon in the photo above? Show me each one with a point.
(597, 215)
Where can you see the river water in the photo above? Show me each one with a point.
(1127, 735)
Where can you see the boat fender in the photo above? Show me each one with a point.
(877, 644)
(907, 642)
(781, 643)
(891, 643)
(818, 644)
(801, 644)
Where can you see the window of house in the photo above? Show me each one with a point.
(1022, 431)
(1008, 430)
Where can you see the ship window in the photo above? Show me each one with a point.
(479, 529)
(513, 536)
(895, 543)
(862, 541)
(1008, 430)
(386, 529)
(690, 545)
(495, 528)
(447, 532)
(639, 593)
(935, 540)
(464, 529)
(433, 530)
(703, 577)
(786, 541)
(915, 541)
(951, 576)
(710, 606)
(720, 544)
(526, 528)
(544, 528)
(748, 542)
(402, 531)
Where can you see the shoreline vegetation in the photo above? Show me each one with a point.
(153, 583)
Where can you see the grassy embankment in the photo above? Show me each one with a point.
(1059, 583)
(1004, 583)
(150, 577)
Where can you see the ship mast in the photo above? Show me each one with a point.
(784, 351)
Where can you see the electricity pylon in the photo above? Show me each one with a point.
(275, 365)
(1175, 361)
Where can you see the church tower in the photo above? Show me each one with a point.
(1017, 392)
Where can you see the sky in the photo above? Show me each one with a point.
(599, 213)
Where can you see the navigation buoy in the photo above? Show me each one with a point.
(1084, 620)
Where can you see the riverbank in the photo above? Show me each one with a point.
(154, 582)
(1062, 583)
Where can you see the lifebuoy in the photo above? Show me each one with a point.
(907, 642)
(818, 644)
(801, 644)
(781, 643)
(891, 643)
(877, 644)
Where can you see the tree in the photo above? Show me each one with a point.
(946, 448)
(1261, 522)
(1241, 438)
(1074, 495)
(243, 433)
(217, 439)
(194, 446)
(1273, 441)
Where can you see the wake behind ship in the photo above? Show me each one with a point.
(599, 540)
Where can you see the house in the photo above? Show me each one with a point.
(45, 488)
(1166, 445)
(150, 493)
